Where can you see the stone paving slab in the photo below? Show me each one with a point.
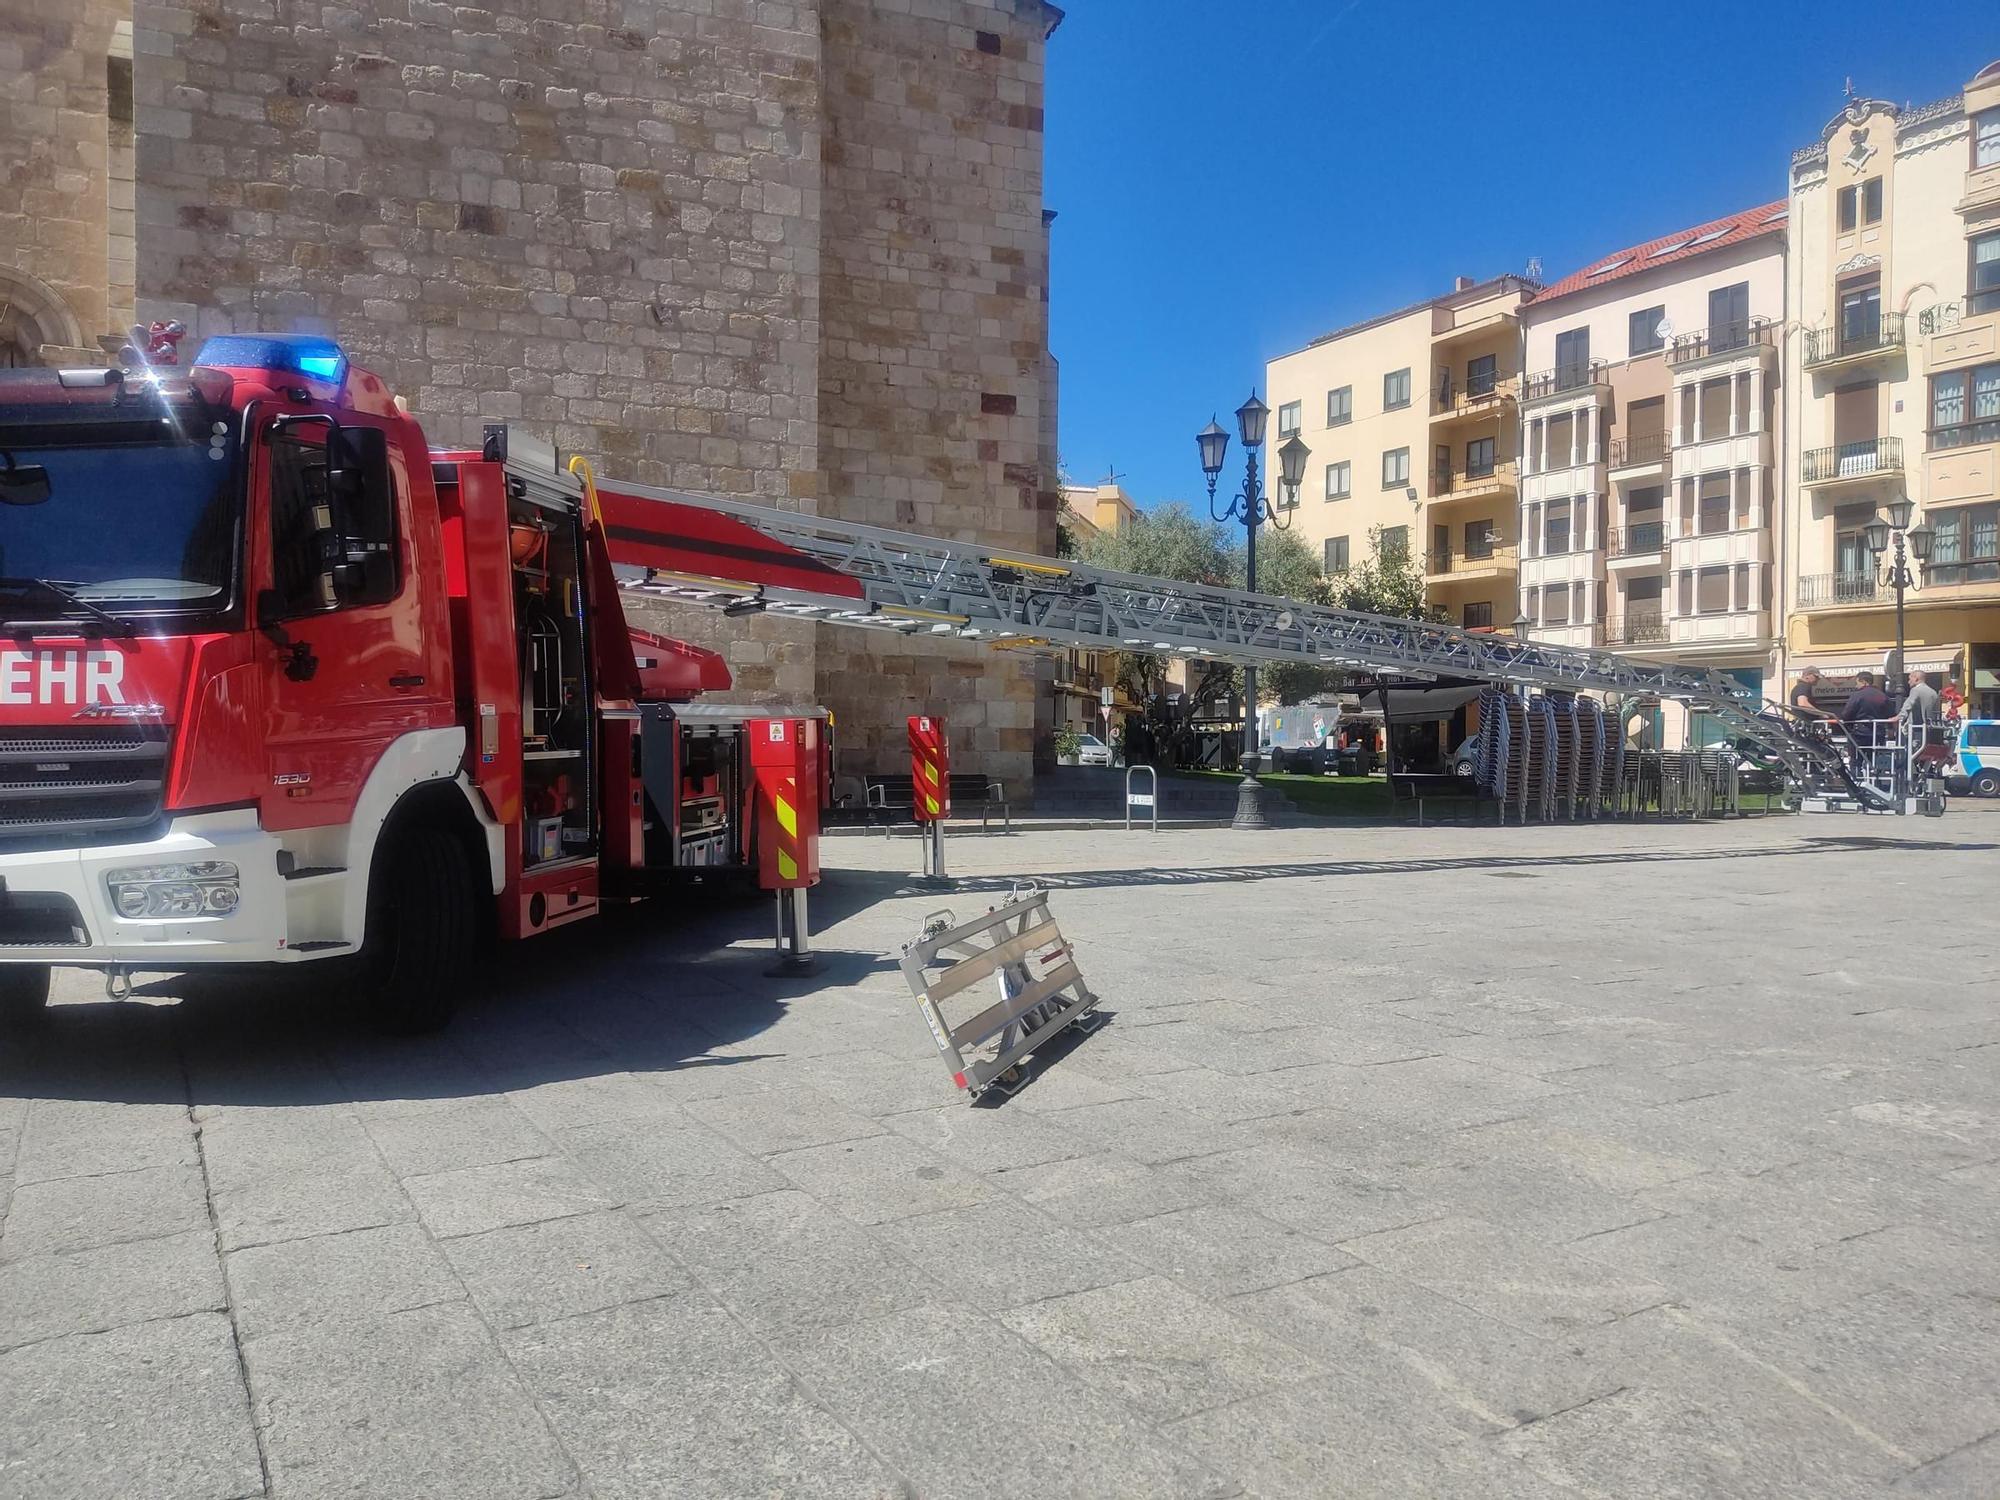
(1543, 1163)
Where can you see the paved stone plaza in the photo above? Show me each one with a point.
(1603, 1161)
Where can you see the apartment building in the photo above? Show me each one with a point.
(1649, 448)
(1410, 419)
(1894, 386)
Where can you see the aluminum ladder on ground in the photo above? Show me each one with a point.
(1019, 947)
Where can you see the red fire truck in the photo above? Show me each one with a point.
(278, 684)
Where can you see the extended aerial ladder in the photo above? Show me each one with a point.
(718, 552)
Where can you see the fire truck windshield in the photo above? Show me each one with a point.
(140, 516)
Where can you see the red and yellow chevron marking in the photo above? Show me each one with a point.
(930, 761)
(785, 804)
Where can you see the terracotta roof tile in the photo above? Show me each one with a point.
(1684, 244)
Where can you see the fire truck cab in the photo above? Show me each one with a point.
(279, 683)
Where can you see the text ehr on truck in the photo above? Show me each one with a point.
(278, 683)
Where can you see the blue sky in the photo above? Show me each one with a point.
(1234, 177)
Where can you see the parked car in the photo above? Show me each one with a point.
(1974, 767)
(1465, 759)
(1091, 751)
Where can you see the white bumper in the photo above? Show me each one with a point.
(254, 933)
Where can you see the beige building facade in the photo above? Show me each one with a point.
(1410, 419)
(1894, 386)
(1083, 677)
(796, 252)
(1650, 449)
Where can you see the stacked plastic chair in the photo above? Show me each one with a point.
(1566, 761)
(1590, 756)
(1538, 787)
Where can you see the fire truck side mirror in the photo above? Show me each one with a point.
(22, 484)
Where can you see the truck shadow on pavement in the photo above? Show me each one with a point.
(653, 989)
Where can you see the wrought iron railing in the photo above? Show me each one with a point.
(1845, 340)
(1638, 539)
(1566, 377)
(1719, 338)
(1640, 448)
(1636, 628)
(1818, 590)
(1852, 460)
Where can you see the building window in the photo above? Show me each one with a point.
(1966, 546)
(1395, 542)
(1339, 480)
(1643, 329)
(1479, 616)
(1336, 554)
(1715, 409)
(1728, 317)
(1711, 591)
(1482, 376)
(1395, 389)
(1712, 518)
(1555, 604)
(1861, 204)
(1572, 359)
(1965, 407)
(1479, 458)
(1395, 468)
(1288, 419)
(1986, 140)
(1480, 538)
(1984, 279)
(1340, 406)
(1861, 315)
(1555, 528)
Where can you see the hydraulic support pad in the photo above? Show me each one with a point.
(1019, 947)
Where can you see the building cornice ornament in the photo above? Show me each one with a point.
(1857, 263)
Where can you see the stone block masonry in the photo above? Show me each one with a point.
(58, 177)
(792, 251)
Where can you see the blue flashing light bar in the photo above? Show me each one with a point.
(308, 354)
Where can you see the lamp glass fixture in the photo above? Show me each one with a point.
(1922, 539)
(1899, 510)
(1214, 444)
(1292, 456)
(1876, 535)
(1250, 418)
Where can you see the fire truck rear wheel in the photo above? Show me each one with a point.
(24, 992)
(423, 932)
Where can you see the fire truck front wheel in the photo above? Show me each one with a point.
(423, 932)
(24, 992)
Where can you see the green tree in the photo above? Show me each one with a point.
(1168, 542)
(1389, 581)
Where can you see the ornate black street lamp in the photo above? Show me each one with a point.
(1251, 508)
(1893, 526)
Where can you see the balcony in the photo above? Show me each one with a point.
(1852, 463)
(1864, 339)
(1637, 628)
(1446, 563)
(1580, 377)
(1473, 483)
(1828, 590)
(1640, 539)
(1722, 339)
(1475, 400)
(1643, 450)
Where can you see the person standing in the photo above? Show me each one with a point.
(1867, 706)
(1920, 703)
(1802, 695)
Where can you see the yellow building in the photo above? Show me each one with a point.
(1411, 421)
(1893, 386)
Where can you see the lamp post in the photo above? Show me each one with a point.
(1893, 527)
(1251, 508)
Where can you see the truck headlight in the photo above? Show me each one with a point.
(201, 888)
